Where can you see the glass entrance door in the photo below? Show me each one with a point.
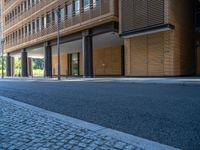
(74, 63)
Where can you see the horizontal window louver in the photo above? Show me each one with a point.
(138, 14)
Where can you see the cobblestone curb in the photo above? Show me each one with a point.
(25, 127)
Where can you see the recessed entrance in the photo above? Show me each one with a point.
(74, 64)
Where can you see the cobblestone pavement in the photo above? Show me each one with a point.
(25, 129)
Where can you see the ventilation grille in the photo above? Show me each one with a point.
(139, 14)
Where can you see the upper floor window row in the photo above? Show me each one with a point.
(73, 7)
(44, 21)
(20, 9)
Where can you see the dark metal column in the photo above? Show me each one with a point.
(122, 60)
(69, 64)
(48, 60)
(8, 65)
(24, 64)
(87, 46)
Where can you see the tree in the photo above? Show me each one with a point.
(38, 63)
(1, 62)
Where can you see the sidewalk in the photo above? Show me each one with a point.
(25, 127)
(142, 80)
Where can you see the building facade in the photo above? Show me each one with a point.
(103, 37)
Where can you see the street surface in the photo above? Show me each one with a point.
(168, 114)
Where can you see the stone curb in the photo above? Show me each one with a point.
(124, 137)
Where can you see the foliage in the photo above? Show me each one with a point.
(38, 64)
(1, 62)
(38, 72)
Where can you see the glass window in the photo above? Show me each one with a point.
(53, 16)
(22, 32)
(36, 28)
(49, 18)
(33, 2)
(45, 21)
(56, 16)
(19, 33)
(86, 4)
(26, 31)
(95, 3)
(62, 14)
(29, 28)
(25, 5)
(29, 3)
(40, 24)
(33, 27)
(77, 6)
(69, 10)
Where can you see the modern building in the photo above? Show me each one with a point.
(104, 37)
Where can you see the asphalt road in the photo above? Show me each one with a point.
(168, 114)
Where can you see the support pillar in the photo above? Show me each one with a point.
(24, 63)
(48, 60)
(122, 60)
(8, 65)
(87, 46)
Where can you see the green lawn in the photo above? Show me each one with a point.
(38, 72)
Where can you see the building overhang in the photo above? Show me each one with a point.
(147, 30)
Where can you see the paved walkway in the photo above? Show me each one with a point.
(148, 80)
(25, 127)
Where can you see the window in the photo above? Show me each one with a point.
(77, 7)
(56, 16)
(19, 33)
(13, 36)
(25, 5)
(22, 32)
(86, 4)
(49, 18)
(19, 10)
(69, 10)
(33, 27)
(16, 36)
(29, 3)
(22, 7)
(29, 28)
(45, 21)
(33, 2)
(62, 14)
(38, 24)
(26, 30)
(95, 3)
(52, 17)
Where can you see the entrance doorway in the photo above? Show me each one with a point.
(74, 64)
